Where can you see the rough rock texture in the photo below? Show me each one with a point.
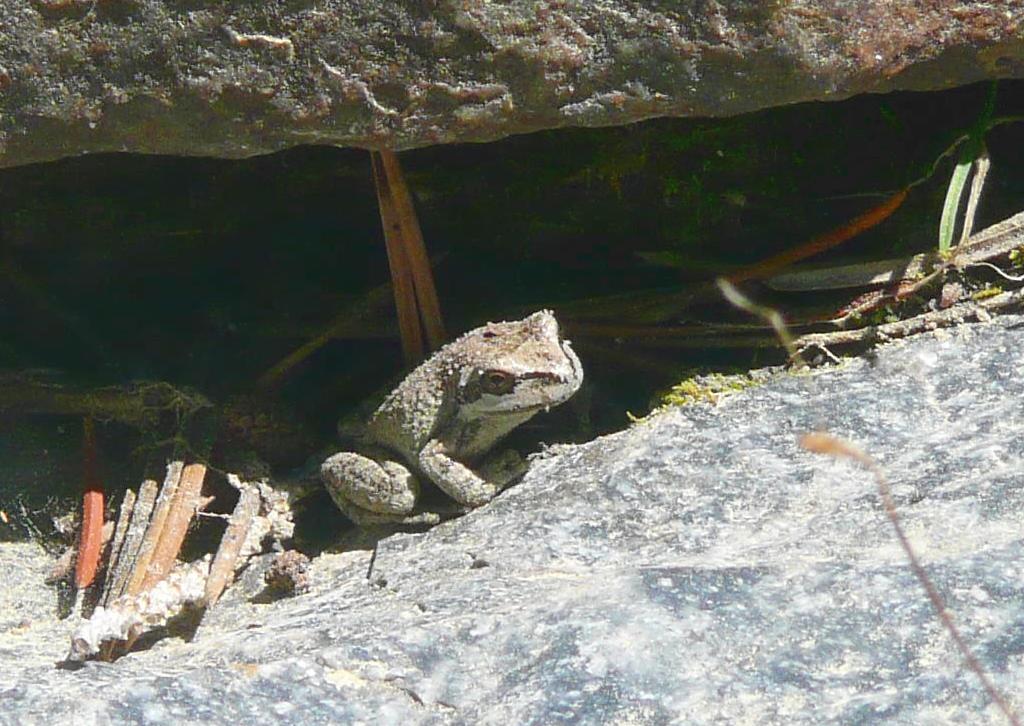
(241, 78)
(699, 566)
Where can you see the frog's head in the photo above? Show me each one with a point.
(516, 367)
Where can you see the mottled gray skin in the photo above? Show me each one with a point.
(448, 414)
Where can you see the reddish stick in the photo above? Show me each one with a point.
(823, 242)
(91, 535)
(416, 252)
(401, 272)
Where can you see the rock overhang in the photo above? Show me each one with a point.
(236, 79)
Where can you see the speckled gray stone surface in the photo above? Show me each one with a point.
(697, 568)
(236, 78)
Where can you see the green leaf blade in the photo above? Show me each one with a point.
(951, 206)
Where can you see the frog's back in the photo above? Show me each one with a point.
(407, 418)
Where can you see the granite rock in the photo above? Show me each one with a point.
(698, 567)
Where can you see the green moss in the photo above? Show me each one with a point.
(701, 388)
(987, 292)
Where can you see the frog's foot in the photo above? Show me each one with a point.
(381, 488)
(505, 469)
(465, 486)
(365, 518)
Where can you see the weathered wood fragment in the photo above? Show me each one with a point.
(222, 571)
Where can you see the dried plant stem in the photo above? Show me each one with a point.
(955, 315)
(146, 585)
(135, 404)
(353, 321)
(981, 166)
(999, 271)
(123, 566)
(401, 273)
(770, 315)
(822, 443)
(656, 306)
(823, 242)
(182, 510)
(222, 571)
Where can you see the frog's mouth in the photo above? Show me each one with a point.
(551, 388)
(498, 407)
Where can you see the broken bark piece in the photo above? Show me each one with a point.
(130, 616)
(172, 535)
(262, 513)
(156, 525)
(222, 571)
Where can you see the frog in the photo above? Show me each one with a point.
(443, 422)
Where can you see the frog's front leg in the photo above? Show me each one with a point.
(462, 483)
(371, 492)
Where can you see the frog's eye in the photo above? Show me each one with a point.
(488, 334)
(497, 382)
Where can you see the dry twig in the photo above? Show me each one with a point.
(770, 315)
(146, 585)
(120, 568)
(154, 528)
(117, 544)
(401, 274)
(416, 254)
(821, 243)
